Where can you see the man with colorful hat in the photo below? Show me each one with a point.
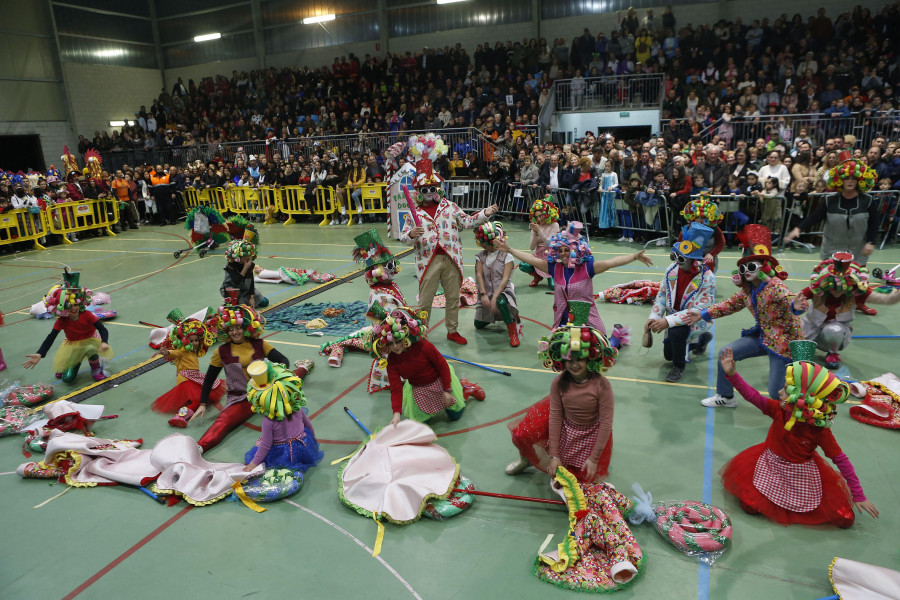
(764, 294)
(851, 215)
(688, 284)
(439, 257)
(838, 286)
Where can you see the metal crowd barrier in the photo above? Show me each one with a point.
(887, 228)
(374, 202)
(292, 202)
(72, 217)
(22, 225)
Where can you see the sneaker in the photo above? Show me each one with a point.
(867, 310)
(517, 466)
(675, 374)
(661, 242)
(97, 374)
(472, 390)
(334, 222)
(622, 239)
(702, 343)
(832, 361)
(455, 337)
(717, 401)
(630, 240)
(344, 219)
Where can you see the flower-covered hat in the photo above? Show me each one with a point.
(576, 342)
(486, 233)
(703, 210)
(68, 298)
(578, 246)
(238, 249)
(179, 337)
(812, 391)
(849, 168)
(401, 325)
(544, 211)
(243, 316)
(840, 272)
(274, 391)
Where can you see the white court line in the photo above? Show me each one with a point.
(360, 544)
(9, 473)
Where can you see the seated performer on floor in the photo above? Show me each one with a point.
(572, 427)
(496, 292)
(688, 283)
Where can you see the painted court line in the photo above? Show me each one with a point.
(119, 559)
(708, 440)
(361, 545)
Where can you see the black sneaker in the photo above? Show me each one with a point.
(702, 343)
(675, 374)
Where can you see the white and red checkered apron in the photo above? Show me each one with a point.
(429, 397)
(793, 486)
(197, 377)
(576, 442)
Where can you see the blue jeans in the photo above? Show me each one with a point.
(749, 347)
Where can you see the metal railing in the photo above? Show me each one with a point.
(610, 92)
(819, 127)
(459, 140)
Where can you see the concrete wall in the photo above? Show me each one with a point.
(100, 94)
(54, 135)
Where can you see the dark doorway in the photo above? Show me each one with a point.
(21, 152)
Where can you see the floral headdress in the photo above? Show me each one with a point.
(576, 342)
(486, 233)
(238, 249)
(864, 176)
(274, 391)
(68, 298)
(244, 316)
(579, 248)
(840, 272)
(544, 211)
(179, 337)
(703, 211)
(401, 325)
(812, 391)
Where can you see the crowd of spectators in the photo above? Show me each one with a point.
(714, 75)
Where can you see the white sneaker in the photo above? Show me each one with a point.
(622, 239)
(661, 242)
(334, 222)
(717, 401)
(630, 240)
(517, 466)
(359, 209)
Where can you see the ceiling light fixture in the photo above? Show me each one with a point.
(319, 19)
(207, 37)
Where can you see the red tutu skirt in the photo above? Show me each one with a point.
(531, 436)
(186, 393)
(835, 507)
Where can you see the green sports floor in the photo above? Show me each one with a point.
(116, 542)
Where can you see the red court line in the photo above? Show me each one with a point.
(118, 560)
(538, 322)
(9, 287)
(338, 397)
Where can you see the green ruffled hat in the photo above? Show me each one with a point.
(579, 312)
(803, 350)
(175, 316)
(71, 279)
(369, 248)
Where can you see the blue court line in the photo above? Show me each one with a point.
(712, 372)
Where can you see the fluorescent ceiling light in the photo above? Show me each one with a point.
(449, 1)
(117, 123)
(131, 123)
(207, 37)
(109, 52)
(319, 19)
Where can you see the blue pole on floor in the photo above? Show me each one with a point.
(357, 421)
(876, 337)
(507, 373)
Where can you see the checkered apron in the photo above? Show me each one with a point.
(576, 443)
(793, 486)
(197, 377)
(429, 397)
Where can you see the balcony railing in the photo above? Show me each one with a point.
(613, 92)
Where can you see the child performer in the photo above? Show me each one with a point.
(244, 326)
(838, 288)
(496, 293)
(422, 382)
(86, 337)
(572, 427)
(769, 301)
(784, 478)
(771, 200)
(288, 440)
(687, 284)
(544, 225)
(570, 262)
(706, 212)
(240, 255)
(187, 341)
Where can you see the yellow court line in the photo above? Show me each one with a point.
(148, 274)
(548, 372)
(126, 324)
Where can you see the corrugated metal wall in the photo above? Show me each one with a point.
(343, 30)
(559, 9)
(429, 19)
(228, 48)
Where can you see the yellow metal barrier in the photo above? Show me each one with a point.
(20, 225)
(191, 198)
(71, 217)
(269, 198)
(243, 200)
(218, 199)
(292, 202)
(373, 202)
(324, 203)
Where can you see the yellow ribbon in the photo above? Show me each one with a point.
(340, 460)
(239, 490)
(379, 538)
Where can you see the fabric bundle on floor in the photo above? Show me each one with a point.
(285, 319)
(632, 292)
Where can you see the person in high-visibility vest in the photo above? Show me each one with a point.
(161, 190)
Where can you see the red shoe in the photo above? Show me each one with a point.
(455, 337)
(513, 329)
(472, 390)
(536, 281)
(866, 310)
(180, 420)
